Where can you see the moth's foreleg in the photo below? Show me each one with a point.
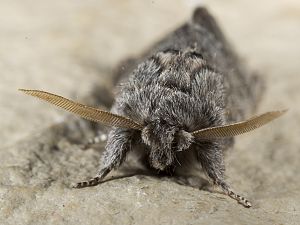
(210, 155)
(240, 199)
(118, 144)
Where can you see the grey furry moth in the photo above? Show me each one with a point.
(188, 96)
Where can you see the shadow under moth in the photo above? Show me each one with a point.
(188, 95)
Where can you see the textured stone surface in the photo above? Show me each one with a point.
(67, 46)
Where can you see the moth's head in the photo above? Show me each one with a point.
(164, 140)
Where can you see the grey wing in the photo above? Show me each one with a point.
(180, 39)
(202, 17)
(202, 34)
(245, 88)
(125, 68)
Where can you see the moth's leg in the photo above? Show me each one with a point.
(210, 156)
(240, 199)
(118, 144)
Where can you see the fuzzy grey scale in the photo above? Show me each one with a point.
(172, 94)
(188, 81)
(202, 34)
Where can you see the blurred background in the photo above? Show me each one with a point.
(66, 46)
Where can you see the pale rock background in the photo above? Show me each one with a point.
(67, 46)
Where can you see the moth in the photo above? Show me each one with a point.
(187, 96)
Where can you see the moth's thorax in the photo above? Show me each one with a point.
(164, 141)
(172, 94)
